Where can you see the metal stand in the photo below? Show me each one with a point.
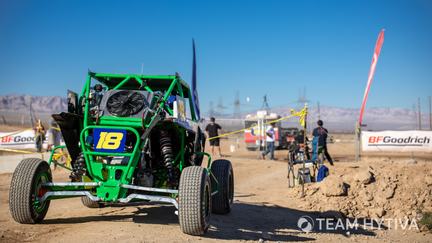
(357, 141)
(262, 145)
(304, 155)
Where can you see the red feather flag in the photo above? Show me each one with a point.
(377, 51)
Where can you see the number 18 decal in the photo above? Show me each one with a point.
(109, 140)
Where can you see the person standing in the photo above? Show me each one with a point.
(39, 130)
(212, 130)
(270, 139)
(322, 133)
(54, 136)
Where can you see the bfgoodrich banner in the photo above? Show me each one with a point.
(403, 141)
(18, 140)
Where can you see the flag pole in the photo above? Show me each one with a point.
(360, 124)
(357, 141)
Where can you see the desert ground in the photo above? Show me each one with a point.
(265, 209)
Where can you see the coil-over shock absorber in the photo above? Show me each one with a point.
(167, 154)
(78, 168)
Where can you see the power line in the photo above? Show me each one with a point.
(211, 109)
(237, 111)
(414, 109)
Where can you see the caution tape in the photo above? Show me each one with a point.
(16, 151)
(301, 114)
(20, 131)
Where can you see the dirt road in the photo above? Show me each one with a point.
(265, 208)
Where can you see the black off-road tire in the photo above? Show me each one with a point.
(91, 204)
(194, 200)
(25, 189)
(222, 201)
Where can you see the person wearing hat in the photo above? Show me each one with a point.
(322, 133)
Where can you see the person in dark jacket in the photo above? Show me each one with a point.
(212, 130)
(322, 133)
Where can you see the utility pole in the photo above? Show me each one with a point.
(419, 113)
(265, 105)
(237, 112)
(220, 108)
(32, 116)
(414, 109)
(319, 111)
(211, 109)
(430, 113)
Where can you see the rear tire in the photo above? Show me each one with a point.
(199, 147)
(26, 190)
(222, 201)
(194, 200)
(91, 204)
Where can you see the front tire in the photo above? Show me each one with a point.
(194, 200)
(26, 190)
(223, 199)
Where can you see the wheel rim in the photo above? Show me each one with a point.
(39, 191)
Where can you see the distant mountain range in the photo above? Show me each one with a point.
(335, 118)
(378, 118)
(42, 104)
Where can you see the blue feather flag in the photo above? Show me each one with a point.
(194, 83)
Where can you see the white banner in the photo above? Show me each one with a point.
(19, 140)
(399, 141)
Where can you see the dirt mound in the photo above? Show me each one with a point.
(364, 177)
(333, 186)
(373, 190)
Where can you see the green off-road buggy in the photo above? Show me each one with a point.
(130, 138)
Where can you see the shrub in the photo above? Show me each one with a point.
(426, 220)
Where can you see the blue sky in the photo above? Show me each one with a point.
(254, 47)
